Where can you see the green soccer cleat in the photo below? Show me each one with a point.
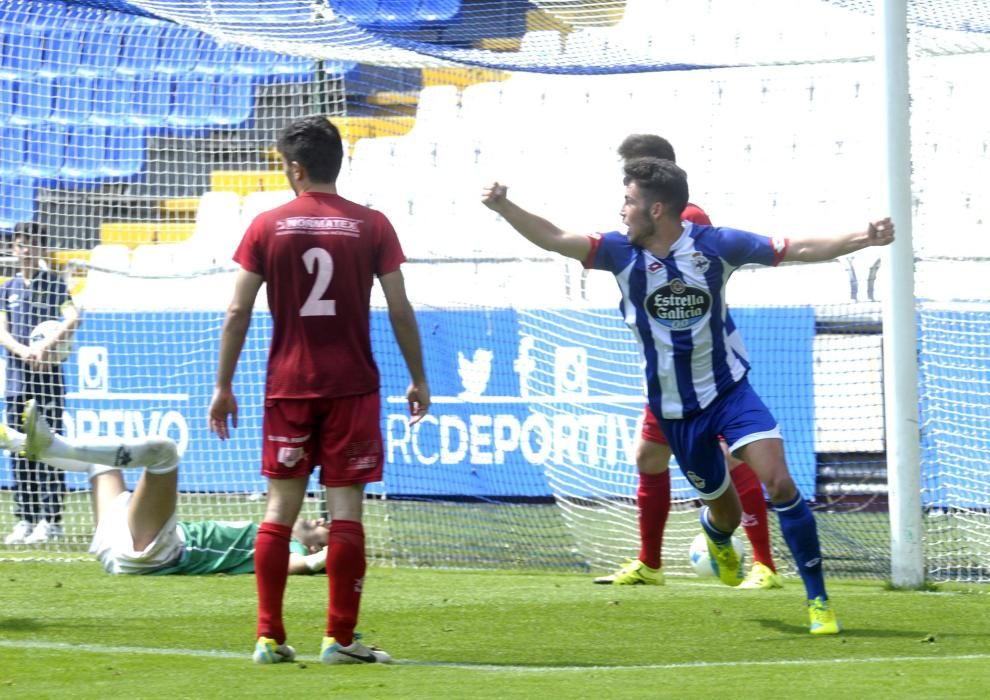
(762, 576)
(37, 433)
(822, 617)
(354, 653)
(268, 651)
(726, 560)
(634, 573)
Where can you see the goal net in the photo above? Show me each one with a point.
(140, 136)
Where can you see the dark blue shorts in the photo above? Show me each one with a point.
(739, 416)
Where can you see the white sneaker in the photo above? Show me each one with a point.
(20, 533)
(44, 532)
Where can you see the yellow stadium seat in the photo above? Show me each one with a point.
(244, 181)
(134, 233)
(179, 208)
(461, 77)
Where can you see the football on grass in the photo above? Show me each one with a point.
(702, 562)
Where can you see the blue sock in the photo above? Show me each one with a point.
(797, 525)
(717, 536)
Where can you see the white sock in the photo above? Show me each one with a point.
(157, 455)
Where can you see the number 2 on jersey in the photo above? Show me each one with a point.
(315, 305)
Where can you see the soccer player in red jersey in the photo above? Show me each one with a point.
(318, 256)
(653, 458)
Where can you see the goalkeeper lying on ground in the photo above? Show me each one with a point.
(137, 532)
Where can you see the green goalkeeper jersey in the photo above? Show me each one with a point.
(214, 547)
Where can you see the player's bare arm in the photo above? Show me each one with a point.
(403, 320)
(235, 328)
(877, 233)
(535, 229)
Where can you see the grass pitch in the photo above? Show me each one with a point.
(69, 630)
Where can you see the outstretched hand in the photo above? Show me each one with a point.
(493, 196)
(881, 232)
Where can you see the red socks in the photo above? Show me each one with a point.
(653, 503)
(271, 566)
(346, 565)
(754, 506)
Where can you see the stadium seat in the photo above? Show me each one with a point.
(11, 149)
(437, 10)
(72, 100)
(62, 50)
(113, 100)
(44, 152)
(32, 101)
(233, 100)
(192, 101)
(178, 50)
(16, 200)
(85, 152)
(100, 48)
(214, 57)
(124, 153)
(363, 12)
(139, 46)
(22, 50)
(256, 202)
(150, 99)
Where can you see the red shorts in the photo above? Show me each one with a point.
(651, 431)
(341, 435)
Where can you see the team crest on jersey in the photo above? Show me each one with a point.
(700, 262)
(677, 305)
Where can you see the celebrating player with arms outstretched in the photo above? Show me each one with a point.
(672, 276)
(319, 255)
(653, 458)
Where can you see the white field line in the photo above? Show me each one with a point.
(246, 655)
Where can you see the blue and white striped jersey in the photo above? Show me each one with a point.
(692, 351)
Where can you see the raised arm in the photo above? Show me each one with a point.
(877, 233)
(534, 228)
(403, 319)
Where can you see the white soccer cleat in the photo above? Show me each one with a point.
(354, 653)
(38, 436)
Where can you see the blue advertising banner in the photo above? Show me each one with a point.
(528, 404)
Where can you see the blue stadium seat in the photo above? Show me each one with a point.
(214, 58)
(62, 50)
(233, 100)
(178, 50)
(73, 100)
(85, 148)
(22, 50)
(396, 12)
(100, 48)
(11, 149)
(151, 99)
(44, 151)
(16, 200)
(437, 10)
(6, 99)
(139, 46)
(112, 100)
(32, 101)
(364, 12)
(125, 152)
(192, 101)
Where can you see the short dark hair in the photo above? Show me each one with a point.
(31, 231)
(314, 143)
(646, 146)
(661, 178)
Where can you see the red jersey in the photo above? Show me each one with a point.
(318, 255)
(695, 214)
